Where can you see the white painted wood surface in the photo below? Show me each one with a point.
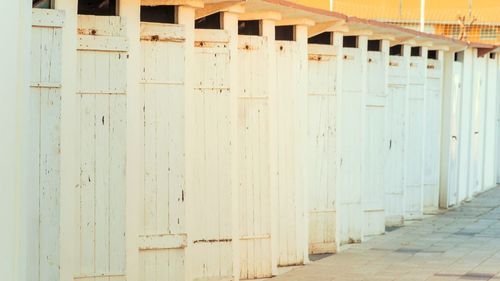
(396, 134)
(163, 234)
(351, 138)
(45, 82)
(253, 162)
(450, 133)
(465, 125)
(18, 209)
(498, 125)
(376, 147)
(291, 108)
(490, 146)
(477, 125)
(101, 86)
(432, 128)
(414, 153)
(324, 67)
(211, 191)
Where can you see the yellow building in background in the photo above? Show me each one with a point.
(472, 20)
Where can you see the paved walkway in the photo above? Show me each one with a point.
(462, 244)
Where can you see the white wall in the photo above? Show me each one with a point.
(16, 146)
(490, 146)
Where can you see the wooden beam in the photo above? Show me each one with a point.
(188, 3)
(382, 36)
(324, 27)
(295, 21)
(263, 15)
(424, 43)
(359, 32)
(440, 47)
(227, 6)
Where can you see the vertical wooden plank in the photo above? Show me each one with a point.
(70, 143)
(117, 184)
(102, 193)
(50, 106)
(129, 155)
(87, 185)
(36, 54)
(36, 191)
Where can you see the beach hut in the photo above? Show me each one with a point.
(325, 68)
(432, 128)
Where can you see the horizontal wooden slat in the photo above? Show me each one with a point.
(103, 276)
(162, 241)
(256, 237)
(101, 26)
(103, 92)
(162, 32)
(323, 211)
(253, 97)
(47, 18)
(48, 85)
(212, 35)
(322, 49)
(376, 101)
(159, 82)
(103, 43)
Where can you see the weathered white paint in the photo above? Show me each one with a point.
(212, 247)
(69, 143)
(17, 170)
(432, 128)
(291, 118)
(185, 17)
(465, 125)
(396, 136)
(269, 31)
(101, 86)
(45, 82)
(477, 125)
(449, 175)
(498, 124)
(324, 71)
(414, 151)
(351, 137)
(129, 10)
(490, 146)
(163, 234)
(376, 147)
(254, 171)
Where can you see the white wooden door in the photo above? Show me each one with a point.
(432, 151)
(162, 238)
(322, 116)
(101, 88)
(453, 164)
(415, 140)
(396, 131)
(212, 233)
(45, 79)
(289, 148)
(375, 146)
(477, 129)
(350, 134)
(491, 100)
(253, 161)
